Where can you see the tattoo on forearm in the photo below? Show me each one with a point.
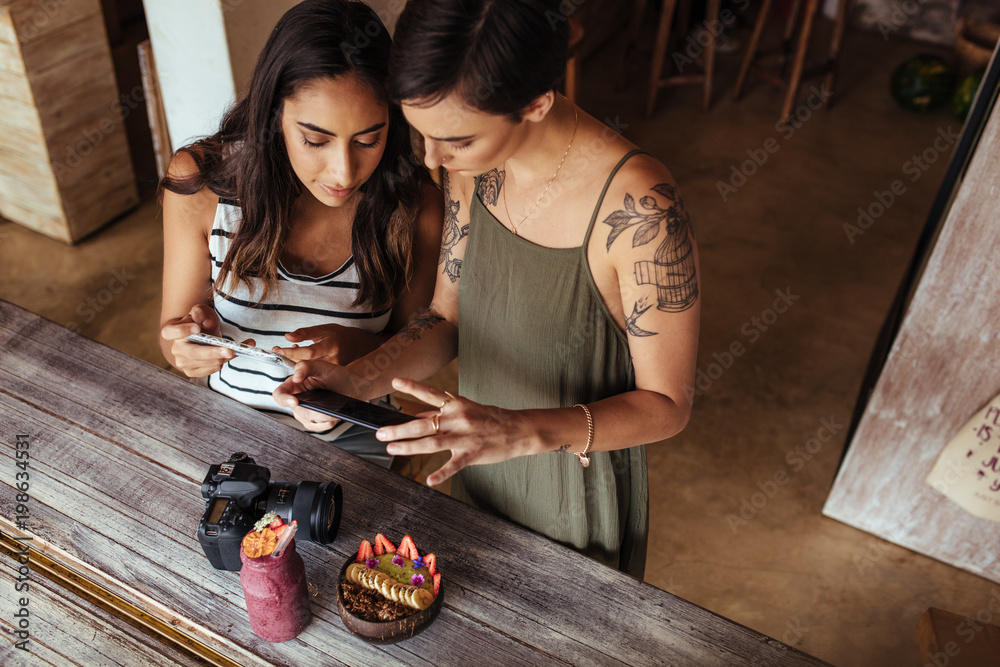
(423, 322)
(451, 235)
(672, 269)
(490, 186)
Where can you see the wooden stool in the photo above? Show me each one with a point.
(960, 641)
(799, 72)
(573, 64)
(656, 80)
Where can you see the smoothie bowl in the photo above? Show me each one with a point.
(386, 593)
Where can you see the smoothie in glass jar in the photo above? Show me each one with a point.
(275, 590)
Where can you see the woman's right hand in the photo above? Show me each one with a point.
(316, 375)
(191, 359)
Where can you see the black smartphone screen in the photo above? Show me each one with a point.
(350, 409)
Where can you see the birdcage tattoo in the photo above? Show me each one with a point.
(672, 269)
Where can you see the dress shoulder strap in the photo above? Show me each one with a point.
(607, 184)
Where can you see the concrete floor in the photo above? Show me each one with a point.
(788, 572)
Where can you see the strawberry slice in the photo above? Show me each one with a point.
(383, 545)
(437, 583)
(364, 552)
(407, 548)
(278, 530)
(431, 563)
(274, 525)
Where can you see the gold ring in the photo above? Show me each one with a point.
(437, 425)
(451, 397)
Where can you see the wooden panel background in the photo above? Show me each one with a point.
(941, 370)
(65, 168)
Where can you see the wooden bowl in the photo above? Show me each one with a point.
(386, 632)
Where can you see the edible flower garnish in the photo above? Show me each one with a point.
(398, 561)
(371, 563)
(418, 563)
(265, 521)
(417, 580)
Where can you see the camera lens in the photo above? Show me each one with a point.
(332, 521)
(314, 505)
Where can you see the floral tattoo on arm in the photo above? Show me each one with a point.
(672, 269)
(452, 234)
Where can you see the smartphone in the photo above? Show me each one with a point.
(243, 350)
(350, 409)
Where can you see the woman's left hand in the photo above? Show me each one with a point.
(331, 342)
(474, 433)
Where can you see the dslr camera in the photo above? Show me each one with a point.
(239, 492)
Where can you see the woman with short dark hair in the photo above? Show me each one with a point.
(568, 286)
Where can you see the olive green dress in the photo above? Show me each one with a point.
(534, 333)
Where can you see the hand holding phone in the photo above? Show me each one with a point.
(243, 350)
(350, 409)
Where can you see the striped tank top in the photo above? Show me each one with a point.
(298, 301)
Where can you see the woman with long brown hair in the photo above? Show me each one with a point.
(305, 225)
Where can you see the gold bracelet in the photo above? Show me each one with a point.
(584, 459)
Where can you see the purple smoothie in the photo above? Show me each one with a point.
(276, 594)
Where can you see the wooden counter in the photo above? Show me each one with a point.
(117, 452)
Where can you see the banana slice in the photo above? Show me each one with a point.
(411, 596)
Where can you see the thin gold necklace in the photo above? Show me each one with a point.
(551, 180)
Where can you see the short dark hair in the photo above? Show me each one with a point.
(498, 55)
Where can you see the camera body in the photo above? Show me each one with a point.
(239, 492)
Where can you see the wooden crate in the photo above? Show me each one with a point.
(65, 168)
(949, 639)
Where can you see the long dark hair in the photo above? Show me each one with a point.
(498, 55)
(247, 161)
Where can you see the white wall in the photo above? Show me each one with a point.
(192, 61)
